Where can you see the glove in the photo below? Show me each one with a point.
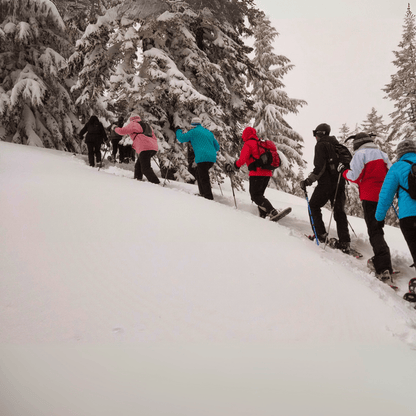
(305, 183)
(229, 168)
(341, 168)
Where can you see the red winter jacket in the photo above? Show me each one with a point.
(369, 167)
(250, 152)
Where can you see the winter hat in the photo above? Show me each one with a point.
(406, 146)
(135, 115)
(195, 121)
(322, 130)
(359, 139)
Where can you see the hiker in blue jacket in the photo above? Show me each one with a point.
(396, 181)
(205, 147)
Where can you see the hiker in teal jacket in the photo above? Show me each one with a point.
(205, 147)
(396, 182)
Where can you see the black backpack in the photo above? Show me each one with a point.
(412, 180)
(147, 130)
(94, 129)
(338, 153)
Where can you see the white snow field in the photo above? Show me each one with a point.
(125, 298)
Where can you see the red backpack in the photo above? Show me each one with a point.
(269, 159)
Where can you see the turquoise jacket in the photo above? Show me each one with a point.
(203, 142)
(397, 175)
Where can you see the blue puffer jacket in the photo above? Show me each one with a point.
(203, 142)
(397, 175)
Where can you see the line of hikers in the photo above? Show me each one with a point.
(370, 168)
(378, 182)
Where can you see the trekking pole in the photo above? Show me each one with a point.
(311, 218)
(395, 210)
(332, 212)
(232, 188)
(158, 165)
(352, 228)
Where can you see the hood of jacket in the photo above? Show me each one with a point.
(135, 117)
(329, 139)
(249, 133)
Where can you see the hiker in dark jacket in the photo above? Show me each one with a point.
(368, 168)
(328, 189)
(115, 139)
(95, 137)
(397, 182)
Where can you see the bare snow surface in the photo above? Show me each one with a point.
(120, 297)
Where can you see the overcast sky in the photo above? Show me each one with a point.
(342, 52)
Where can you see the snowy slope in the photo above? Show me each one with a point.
(120, 297)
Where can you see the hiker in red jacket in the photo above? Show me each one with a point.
(258, 178)
(368, 168)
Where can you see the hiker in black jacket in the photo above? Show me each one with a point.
(329, 184)
(95, 137)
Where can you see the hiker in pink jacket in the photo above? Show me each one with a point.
(145, 145)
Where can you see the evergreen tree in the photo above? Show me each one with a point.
(193, 63)
(272, 103)
(374, 124)
(35, 104)
(344, 133)
(402, 87)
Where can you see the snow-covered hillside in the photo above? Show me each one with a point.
(120, 297)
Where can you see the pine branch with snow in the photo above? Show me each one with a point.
(35, 105)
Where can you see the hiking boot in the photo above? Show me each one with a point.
(370, 264)
(343, 246)
(321, 238)
(262, 212)
(384, 276)
(273, 213)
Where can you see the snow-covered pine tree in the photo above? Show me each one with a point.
(35, 104)
(192, 64)
(344, 133)
(272, 103)
(374, 124)
(402, 87)
(92, 63)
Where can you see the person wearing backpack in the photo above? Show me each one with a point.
(115, 139)
(368, 168)
(205, 147)
(399, 180)
(95, 137)
(259, 177)
(331, 187)
(145, 146)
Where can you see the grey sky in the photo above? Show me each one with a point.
(342, 52)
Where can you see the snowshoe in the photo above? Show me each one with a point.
(410, 297)
(344, 247)
(412, 285)
(276, 215)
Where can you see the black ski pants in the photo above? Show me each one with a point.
(381, 259)
(324, 192)
(115, 144)
(257, 188)
(408, 227)
(203, 180)
(143, 167)
(94, 152)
